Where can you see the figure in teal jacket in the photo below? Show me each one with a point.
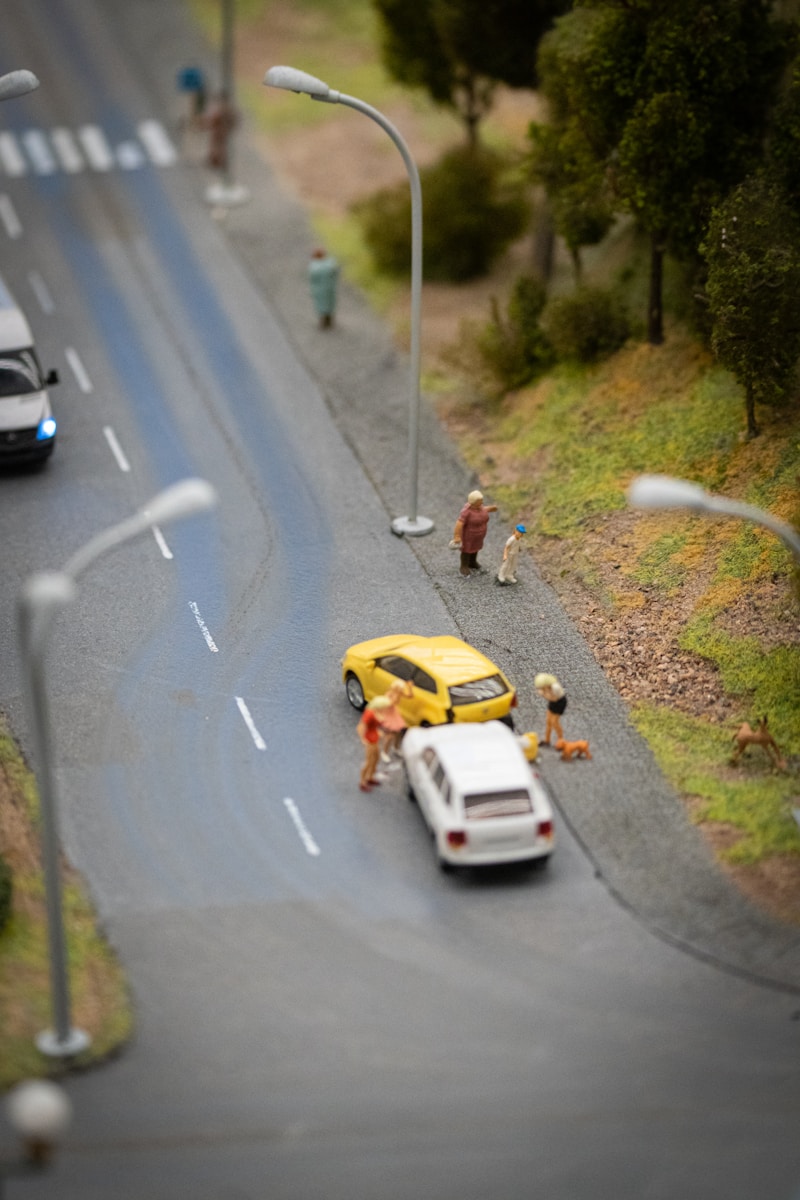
(323, 275)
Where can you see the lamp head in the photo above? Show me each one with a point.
(17, 83)
(292, 80)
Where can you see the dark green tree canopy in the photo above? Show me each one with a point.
(459, 50)
(753, 257)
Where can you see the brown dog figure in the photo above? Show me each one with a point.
(760, 736)
(570, 750)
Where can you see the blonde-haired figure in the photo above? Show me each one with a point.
(391, 719)
(552, 691)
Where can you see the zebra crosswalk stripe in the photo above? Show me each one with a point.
(67, 151)
(11, 157)
(95, 147)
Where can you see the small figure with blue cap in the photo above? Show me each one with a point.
(508, 567)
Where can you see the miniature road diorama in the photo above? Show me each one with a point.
(480, 798)
(451, 681)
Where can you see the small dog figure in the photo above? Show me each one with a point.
(570, 750)
(760, 736)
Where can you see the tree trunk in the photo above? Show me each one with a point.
(750, 404)
(544, 242)
(655, 312)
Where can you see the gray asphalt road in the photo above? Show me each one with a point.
(320, 1013)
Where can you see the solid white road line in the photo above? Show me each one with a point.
(41, 292)
(8, 215)
(250, 723)
(203, 628)
(12, 159)
(96, 148)
(161, 543)
(300, 825)
(67, 151)
(154, 138)
(116, 449)
(78, 369)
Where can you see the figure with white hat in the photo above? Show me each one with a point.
(470, 531)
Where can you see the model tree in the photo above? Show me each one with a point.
(753, 257)
(459, 50)
(670, 98)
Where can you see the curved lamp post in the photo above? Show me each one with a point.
(292, 80)
(41, 598)
(662, 491)
(17, 83)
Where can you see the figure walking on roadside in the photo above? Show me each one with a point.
(552, 691)
(470, 531)
(369, 731)
(323, 276)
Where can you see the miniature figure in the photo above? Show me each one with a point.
(570, 750)
(530, 745)
(369, 731)
(220, 120)
(508, 567)
(552, 691)
(470, 531)
(391, 719)
(323, 275)
(760, 736)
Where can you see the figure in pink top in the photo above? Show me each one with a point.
(470, 531)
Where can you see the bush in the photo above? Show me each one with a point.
(588, 325)
(471, 212)
(514, 348)
(6, 893)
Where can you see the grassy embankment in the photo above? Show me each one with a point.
(100, 1001)
(561, 454)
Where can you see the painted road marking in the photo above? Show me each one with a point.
(161, 542)
(116, 449)
(301, 827)
(67, 151)
(250, 723)
(41, 292)
(96, 148)
(39, 152)
(46, 151)
(78, 370)
(203, 628)
(8, 215)
(154, 138)
(12, 159)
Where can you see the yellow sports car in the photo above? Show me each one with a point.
(450, 680)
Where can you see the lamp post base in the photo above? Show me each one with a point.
(226, 195)
(75, 1042)
(417, 528)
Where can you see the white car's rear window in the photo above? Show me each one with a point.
(513, 803)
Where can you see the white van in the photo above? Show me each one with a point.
(27, 424)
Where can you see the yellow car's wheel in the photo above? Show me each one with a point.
(355, 692)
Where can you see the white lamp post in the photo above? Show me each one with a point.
(292, 80)
(42, 596)
(17, 83)
(662, 491)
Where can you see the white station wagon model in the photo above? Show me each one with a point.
(480, 797)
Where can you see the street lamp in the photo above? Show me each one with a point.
(662, 491)
(42, 596)
(226, 193)
(292, 80)
(17, 83)
(39, 1111)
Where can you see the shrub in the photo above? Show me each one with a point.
(472, 210)
(6, 892)
(587, 325)
(514, 347)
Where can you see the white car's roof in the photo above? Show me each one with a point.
(475, 756)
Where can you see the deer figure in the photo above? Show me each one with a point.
(760, 736)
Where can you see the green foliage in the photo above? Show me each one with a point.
(656, 567)
(753, 257)
(513, 347)
(6, 893)
(586, 326)
(472, 210)
(694, 755)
